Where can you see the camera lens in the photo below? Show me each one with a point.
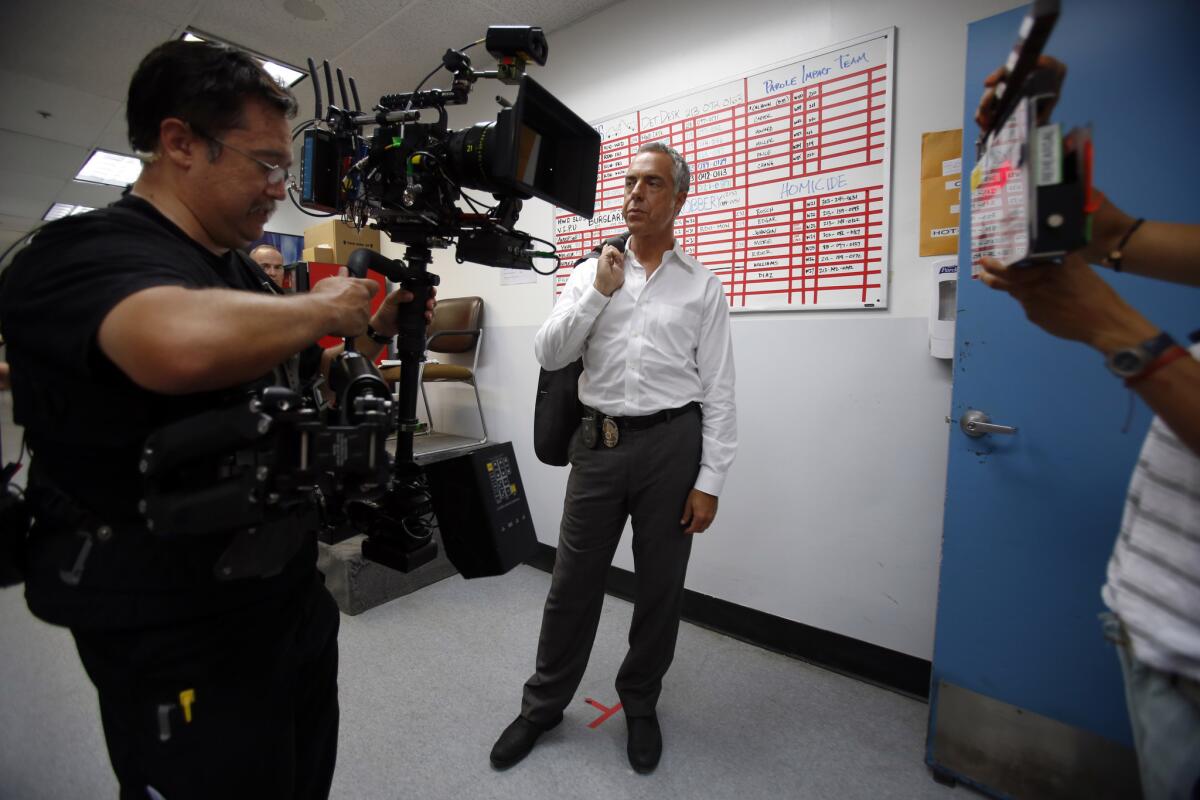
(476, 156)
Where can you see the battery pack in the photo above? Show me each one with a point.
(319, 171)
(482, 510)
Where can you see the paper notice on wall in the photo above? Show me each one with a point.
(511, 277)
(941, 185)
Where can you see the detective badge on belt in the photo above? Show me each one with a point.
(611, 434)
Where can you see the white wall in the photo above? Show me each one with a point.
(289, 219)
(832, 514)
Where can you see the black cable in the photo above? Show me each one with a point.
(553, 254)
(440, 66)
(423, 80)
(302, 209)
(551, 245)
(557, 266)
(476, 204)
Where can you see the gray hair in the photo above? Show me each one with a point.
(679, 168)
(266, 247)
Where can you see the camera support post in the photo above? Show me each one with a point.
(397, 534)
(410, 337)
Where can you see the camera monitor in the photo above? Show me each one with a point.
(537, 148)
(555, 151)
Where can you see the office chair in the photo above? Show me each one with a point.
(455, 329)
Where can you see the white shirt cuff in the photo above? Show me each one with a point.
(709, 482)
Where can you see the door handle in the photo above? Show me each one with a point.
(976, 423)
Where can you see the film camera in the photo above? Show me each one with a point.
(407, 176)
(393, 170)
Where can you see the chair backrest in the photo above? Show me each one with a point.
(455, 314)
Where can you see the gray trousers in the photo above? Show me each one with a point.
(645, 478)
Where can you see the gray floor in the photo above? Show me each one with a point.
(429, 680)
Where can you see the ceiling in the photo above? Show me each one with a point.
(65, 67)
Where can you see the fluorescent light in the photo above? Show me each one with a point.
(112, 169)
(59, 210)
(286, 76)
(283, 74)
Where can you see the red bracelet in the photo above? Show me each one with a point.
(1170, 354)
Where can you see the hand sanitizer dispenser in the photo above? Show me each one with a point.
(943, 308)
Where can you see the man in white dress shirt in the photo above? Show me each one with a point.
(652, 325)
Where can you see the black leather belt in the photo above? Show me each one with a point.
(648, 420)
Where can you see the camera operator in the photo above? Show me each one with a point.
(1153, 582)
(652, 325)
(128, 318)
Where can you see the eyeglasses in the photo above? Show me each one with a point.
(275, 173)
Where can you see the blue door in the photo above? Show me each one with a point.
(1026, 696)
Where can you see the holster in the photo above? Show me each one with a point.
(53, 509)
(590, 429)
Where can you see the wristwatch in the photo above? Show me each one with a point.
(1129, 362)
(376, 336)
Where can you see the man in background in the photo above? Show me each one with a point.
(271, 261)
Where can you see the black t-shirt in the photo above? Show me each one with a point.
(85, 420)
(78, 409)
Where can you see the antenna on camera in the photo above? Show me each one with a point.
(312, 71)
(342, 87)
(328, 81)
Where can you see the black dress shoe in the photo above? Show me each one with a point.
(645, 743)
(517, 740)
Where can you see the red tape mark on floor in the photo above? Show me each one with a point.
(605, 712)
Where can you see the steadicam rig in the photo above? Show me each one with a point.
(267, 464)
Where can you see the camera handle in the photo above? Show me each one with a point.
(410, 337)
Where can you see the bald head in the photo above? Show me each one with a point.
(271, 261)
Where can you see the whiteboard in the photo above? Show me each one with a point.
(791, 178)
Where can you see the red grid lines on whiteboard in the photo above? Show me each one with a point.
(793, 250)
(788, 198)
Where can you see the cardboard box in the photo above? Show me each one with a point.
(343, 238)
(322, 253)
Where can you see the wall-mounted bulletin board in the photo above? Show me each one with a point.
(791, 173)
